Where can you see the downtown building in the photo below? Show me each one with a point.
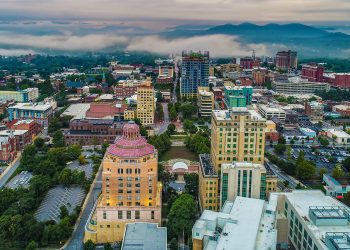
(312, 72)
(195, 72)
(145, 109)
(286, 60)
(206, 101)
(26, 95)
(130, 189)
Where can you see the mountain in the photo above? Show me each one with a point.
(307, 40)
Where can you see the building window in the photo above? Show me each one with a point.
(120, 215)
(152, 215)
(137, 215)
(128, 214)
(104, 215)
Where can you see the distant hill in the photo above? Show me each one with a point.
(308, 41)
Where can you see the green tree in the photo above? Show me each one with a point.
(188, 110)
(58, 139)
(337, 172)
(323, 141)
(346, 199)
(63, 212)
(281, 140)
(39, 142)
(82, 160)
(171, 129)
(89, 245)
(54, 125)
(182, 215)
(173, 244)
(305, 170)
(346, 163)
(280, 148)
(322, 171)
(32, 245)
(65, 177)
(192, 183)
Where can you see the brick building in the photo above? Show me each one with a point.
(7, 148)
(338, 80)
(312, 72)
(287, 60)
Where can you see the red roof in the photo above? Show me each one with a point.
(131, 144)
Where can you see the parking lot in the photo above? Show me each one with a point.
(20, 180)
(56, 197)
(324, 157)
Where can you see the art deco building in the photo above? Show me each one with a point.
(130, 190)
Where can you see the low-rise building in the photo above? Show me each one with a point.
(297, 85)
(31, 125)
(334, 187)
(246, 223)
(7, 148)
(308, 219)
(144, 236)
(26, 95)
(205, 101)
(22, 137)
(343, 110)
(40, 112)
(238, 96)
(338, 80)
(270, 112)
(308, 133)
(339, 136)
(315, 111)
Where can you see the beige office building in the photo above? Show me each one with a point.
(205, 101)
(145, 103)
(237, 135)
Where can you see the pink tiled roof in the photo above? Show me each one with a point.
(131, 144)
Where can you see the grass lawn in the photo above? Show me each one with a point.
(179, 152)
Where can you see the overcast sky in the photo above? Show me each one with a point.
(202, 10)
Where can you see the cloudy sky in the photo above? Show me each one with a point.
(207, 10)
(34, 26)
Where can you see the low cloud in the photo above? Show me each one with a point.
(217, 45)
(16, 52)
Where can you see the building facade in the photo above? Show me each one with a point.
(26, 95)
(243, 179)
(237, 135)
(287, 60)
(299, 86)
(205, 101)
(195, 72)
(145, 110)
(130, 189)
(312, 72)
(315, 111)
(238, 96)
(40, 112)
(269, 112)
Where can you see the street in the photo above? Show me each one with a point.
(76, 241)
(281, 175)
(5, 176)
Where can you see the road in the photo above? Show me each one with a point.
(76, 242)
(162, 127)
(9, 172)
(281, 175)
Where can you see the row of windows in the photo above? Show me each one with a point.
(129, 215)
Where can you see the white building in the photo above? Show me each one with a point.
(339, 136)
(269, 112)
(310, 220)
(246, 223)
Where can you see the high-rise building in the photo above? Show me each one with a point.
(205, 101)
(130, 190)
(237, 135)
(195, 72)
(287, 60)
(243, 179)
(238, 96)
(145, 103)
(312, 72)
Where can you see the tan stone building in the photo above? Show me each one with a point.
(130, 190)
(237, 135)
(145, 103)
(205, 101)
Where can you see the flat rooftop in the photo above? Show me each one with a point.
(77, 110)
(144, 236)
(32, 106)
(225, 115)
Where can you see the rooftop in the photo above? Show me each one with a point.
(144, 236)
(207, 166)
(225, 115)
(77, 110)
(339, 133)
(32, 106)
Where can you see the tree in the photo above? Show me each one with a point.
(173, 245)
(182, 215)
(32, 245)
(323, 141)
(58, 139)
(346, 163)
(82, 160)
(39, 142)
(338, 172)
(280, 148)
(65, 177)
(54, 125)
(322, 171)
(346, 199)
(281, 140)
(305, 170)
(89, 245)
(188, 110)
(192, 183)
(63, 212)
(159, 96)
(171, 129)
